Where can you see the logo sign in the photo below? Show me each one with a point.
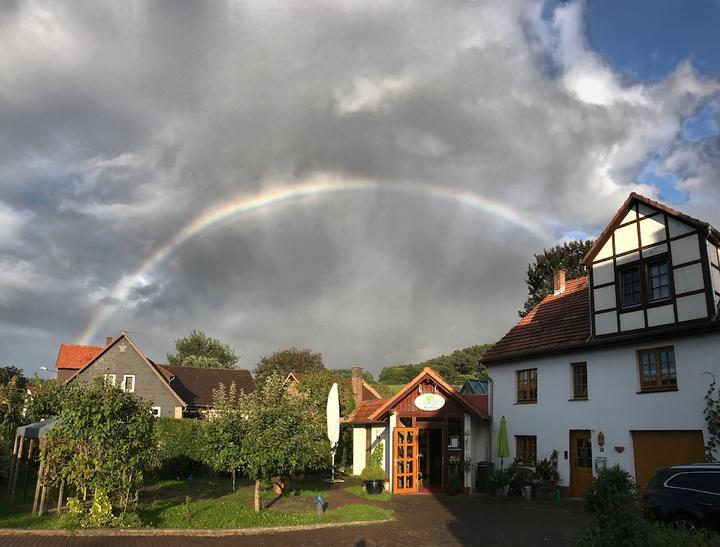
(429, 401)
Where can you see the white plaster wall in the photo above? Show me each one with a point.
(603, 273)
(614, 406)
(713, 253)
(605, 323)
(604, 298)
(678, 228)
(652, 230)
(644, 210)
(688, 278)
(359, 462)
(661, 315)
(379, 435)
(626, 238)
(685, 249)
(632, 320)
(655, 250)
(606, 250)
(631, 215)
(692, 307)
(480, 442)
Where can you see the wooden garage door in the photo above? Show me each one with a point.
(655, 449)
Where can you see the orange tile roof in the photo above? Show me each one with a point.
(362, 412)
(558, 322)
(74, 356)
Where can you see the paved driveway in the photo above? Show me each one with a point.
(421, 520)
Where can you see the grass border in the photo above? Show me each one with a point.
(207, 532)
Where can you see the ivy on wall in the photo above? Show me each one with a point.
(712, 420)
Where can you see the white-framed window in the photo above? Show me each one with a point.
(128, 383)
(109, 379)
(156, 411)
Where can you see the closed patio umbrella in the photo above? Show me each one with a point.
(503, 448)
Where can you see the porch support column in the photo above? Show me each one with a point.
(469, 440)
(390, 456)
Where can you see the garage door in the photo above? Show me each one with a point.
(655, 449)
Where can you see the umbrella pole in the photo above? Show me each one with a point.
(332, 469)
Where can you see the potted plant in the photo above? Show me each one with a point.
(373, 475)
(499, 482)
(546, 475)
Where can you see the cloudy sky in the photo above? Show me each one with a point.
(368, 179)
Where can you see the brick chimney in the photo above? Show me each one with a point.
(108, 340)
(558, 281)
(357, 386)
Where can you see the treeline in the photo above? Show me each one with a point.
(460, 365)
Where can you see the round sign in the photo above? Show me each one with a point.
(429, 401)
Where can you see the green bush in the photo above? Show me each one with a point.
(617, 516)
(99, 515)
(664, 535)
(181, 447)
(500, 479)
(374, 470)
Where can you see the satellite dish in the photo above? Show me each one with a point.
(333, 424)
(333, 415)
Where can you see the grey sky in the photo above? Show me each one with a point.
(122, 121)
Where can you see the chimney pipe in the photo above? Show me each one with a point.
(357, 386)
(108, 340)
(558, 281)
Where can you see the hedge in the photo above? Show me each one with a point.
(181, 447)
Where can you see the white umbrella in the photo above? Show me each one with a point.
(333, 422)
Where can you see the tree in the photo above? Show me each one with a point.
(288, 360)
(44, 399)
(224, 432)
(199, 350)
(102, 442)
(282, 433)
(455, 368)
(347, 373)
(12, 394)
(564, 256)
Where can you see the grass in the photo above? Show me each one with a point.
(206, 503)
(360, 492)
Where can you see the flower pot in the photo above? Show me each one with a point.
(280, 484)
(386, 485)
(374, 487)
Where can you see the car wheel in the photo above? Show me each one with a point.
(684, 522)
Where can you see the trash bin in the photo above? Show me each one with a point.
(482, 477)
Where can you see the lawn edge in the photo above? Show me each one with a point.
(201, 532)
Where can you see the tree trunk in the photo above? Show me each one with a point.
(257, 495)
(60, 497)
(233, 479)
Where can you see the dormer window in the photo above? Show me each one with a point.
(659, 281)
(631, 287)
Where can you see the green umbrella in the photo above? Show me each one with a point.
(503, 448)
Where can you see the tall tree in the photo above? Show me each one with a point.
(12, 394)
(199, 350)
(224, 432)
(564, 256)
(43, 399)
(282, 433)
(288, 360)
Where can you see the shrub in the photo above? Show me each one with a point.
(664, 535)
(99, 515)
(612, 500)
(181, 447)
(546, 469)
(500, 479)
(374, 470)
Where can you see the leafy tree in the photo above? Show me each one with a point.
(316, 385)
(460, 365)
(102, 442)
(12, 394)
(563, 256)
(224, 432)
(282, 433)
(199, 350)
(44, 399)
(347, 373)
(287, 360)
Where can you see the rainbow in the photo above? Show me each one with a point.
(275, 195)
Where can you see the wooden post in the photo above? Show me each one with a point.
(27, 468)
(13, 479)
(60, 497)
(13, 461)
(43, 496)
(38, 484)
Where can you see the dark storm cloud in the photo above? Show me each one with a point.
(122, 121)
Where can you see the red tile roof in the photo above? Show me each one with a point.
(362, 412)
(74, 356)
(558, 322)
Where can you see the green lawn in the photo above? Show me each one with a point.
(361, 493)
(213, 504)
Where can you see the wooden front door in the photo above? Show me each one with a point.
(405, 460)
(581, 462)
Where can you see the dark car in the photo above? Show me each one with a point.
(687, 496)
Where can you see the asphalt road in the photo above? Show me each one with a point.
(421, 520)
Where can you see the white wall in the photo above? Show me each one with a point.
(614, 406)
(378, 434)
